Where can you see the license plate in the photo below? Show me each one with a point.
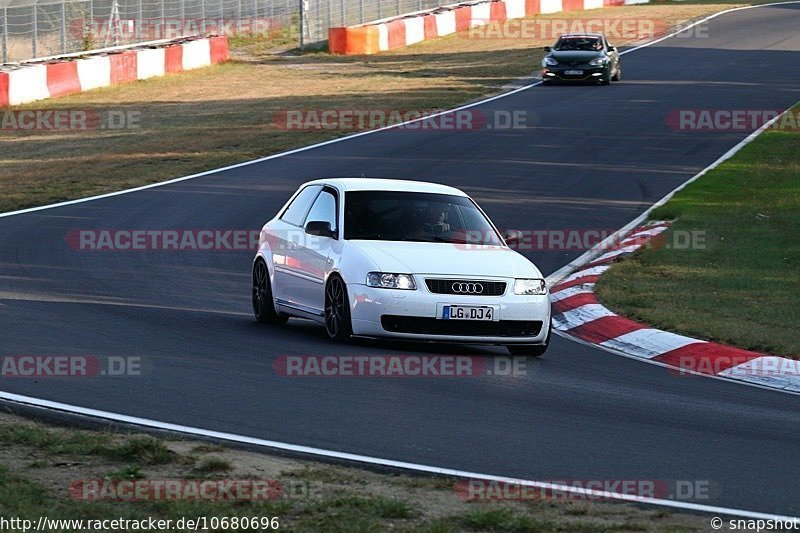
(467, 312)
(573, 72)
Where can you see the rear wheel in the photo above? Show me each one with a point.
(531, 350)
(337, 310)
(263, 306)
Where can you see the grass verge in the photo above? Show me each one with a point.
(39, 463)
(205, 119)
(739, 285)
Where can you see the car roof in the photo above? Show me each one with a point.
(569, 35)
(385, 184)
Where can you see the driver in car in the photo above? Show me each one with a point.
(433, 222)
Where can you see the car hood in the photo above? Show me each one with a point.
(447, 259)
(575, 55)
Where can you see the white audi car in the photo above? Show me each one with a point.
(402, 259)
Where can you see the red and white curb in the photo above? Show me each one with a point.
(577, 313)
(28, 82)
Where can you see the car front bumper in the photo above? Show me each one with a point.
(588, 74)
(415, 315)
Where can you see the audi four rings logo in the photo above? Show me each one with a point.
(467, 288)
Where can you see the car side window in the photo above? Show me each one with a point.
(324, 209)
(296, 212)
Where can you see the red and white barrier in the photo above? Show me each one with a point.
(150, 63)
(550, 6)
(94, 73)
(405, 30)
(21, 84)
(577, 312)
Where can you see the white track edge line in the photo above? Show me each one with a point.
(154, 424)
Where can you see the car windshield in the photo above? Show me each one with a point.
(415, 216)
(587, 44)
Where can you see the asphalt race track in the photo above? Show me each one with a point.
(596, 158)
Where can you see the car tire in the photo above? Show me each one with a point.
(531, 350)
(338, 326)
(618, 75)
(263, 305)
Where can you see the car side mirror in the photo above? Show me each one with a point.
(547, 49)
(612, 48)
(512, 237)
(320, 229)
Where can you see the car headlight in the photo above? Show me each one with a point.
(530, 286)
(550, 62)
(391, 281)
(598, 62)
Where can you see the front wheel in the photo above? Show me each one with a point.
(337, 310)
(531, 350)
(263, 306)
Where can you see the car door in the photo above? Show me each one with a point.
(286, 233)
(310, 258)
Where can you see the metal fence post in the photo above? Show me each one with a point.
(35, 31)
(343, 12)
(302, 25)
(379, 9)
(5, 35)
(330, 13)
(163, 19)
(360, 11)
(139, 20)
(203, 15)
(63, 28)
(183, 16)
(238, 17)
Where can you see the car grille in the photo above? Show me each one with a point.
(465, 328)
(472, 287)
